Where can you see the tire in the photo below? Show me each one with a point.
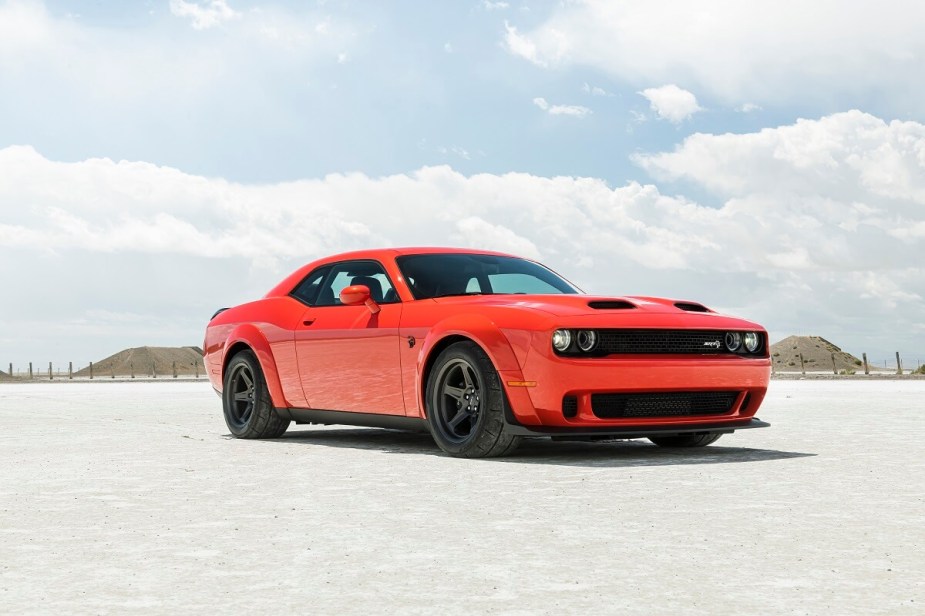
(246, 401)
(698, 439)
(465, 404)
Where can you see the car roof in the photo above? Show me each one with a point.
(411, 250)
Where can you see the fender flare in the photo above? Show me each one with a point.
(249, 335)
(482, 331)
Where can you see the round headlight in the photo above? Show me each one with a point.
(733, 341)
(752, 341)
(586, 339)
(561, 339)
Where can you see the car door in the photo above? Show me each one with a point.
(348, 356)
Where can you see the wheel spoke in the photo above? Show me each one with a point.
(247, 379)
(470, 382)
(244, 396)
(454, 392)
(460, 416)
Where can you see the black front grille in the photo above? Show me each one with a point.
(570, 406)
(670, 404)
(659, 341)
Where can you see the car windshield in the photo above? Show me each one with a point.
(441, 275)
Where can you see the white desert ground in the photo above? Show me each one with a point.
(132, 498)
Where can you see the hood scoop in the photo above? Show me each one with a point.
(611, 304)
(691, 307)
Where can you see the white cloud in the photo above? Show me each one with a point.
(748, 107)
(593, 90)
(489, 5)
(569, 110)
(671, 102)
(745, 50)
(520, 45)
(818, 228)
(206, 14)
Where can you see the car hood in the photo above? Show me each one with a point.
(600, 310)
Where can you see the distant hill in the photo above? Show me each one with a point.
(817, 355)
(4, 376)
(144, 361)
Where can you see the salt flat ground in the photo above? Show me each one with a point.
(132, 497)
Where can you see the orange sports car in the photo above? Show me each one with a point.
(481, 349)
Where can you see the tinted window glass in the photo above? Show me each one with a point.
(368, 273)
(307, 291)
(439, 275)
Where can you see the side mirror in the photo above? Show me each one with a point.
(358, 294)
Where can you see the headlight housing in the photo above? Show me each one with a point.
(752, 342)
(733, 341)
(586, 339)
(561, 340)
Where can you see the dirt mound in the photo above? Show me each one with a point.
(4, 376)
(817, 356)
(146, 361)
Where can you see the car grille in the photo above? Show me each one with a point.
(671, 404)
(660, 341)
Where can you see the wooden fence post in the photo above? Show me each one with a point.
(11, 368)
(50, 377)
(30, 370)
(91, 370)
(899, 365)
(132, 367)
(174, 369)
(112, 370)
(70, 370)
(866, 367)
(195, 363)
(802, 365)
(154, 369)
(834, 367)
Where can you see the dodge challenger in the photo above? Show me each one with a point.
(481, 349)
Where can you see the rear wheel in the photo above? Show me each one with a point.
(465, 404)
(246, 401)
(700, 439)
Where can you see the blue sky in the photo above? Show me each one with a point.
(162, 158)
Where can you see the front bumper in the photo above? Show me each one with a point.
(552, 378)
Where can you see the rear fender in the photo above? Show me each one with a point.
(483, 332)
(251, 336)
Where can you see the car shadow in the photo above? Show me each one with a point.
(614, 453)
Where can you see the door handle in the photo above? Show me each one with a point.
(308, 322)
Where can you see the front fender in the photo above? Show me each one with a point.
(251, 336)
(485, 333)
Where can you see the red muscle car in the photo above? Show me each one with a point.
(481, 349)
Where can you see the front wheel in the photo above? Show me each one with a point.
(465, 404)
(701, 439)
(246, 401)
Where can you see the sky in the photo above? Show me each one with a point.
(161, 159)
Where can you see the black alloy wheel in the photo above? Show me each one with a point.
(242, 395)
(465, 404)
(460, 394)
(246, 402)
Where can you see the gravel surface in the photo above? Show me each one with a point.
(132, 497)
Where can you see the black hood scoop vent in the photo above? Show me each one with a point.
(611, 304)
(691, 307)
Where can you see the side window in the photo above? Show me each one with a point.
(307, 291)
(367, 273)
